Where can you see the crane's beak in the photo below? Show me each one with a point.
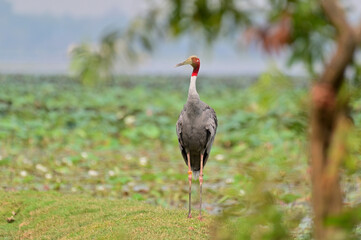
(188, 61)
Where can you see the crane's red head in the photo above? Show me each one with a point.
(194, 62)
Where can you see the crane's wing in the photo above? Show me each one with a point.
(211, 129)
(180, 136)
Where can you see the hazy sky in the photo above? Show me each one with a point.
(244, 61)
(94, 8)
(79, 8)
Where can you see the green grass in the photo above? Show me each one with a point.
(118, 141)
(51, 215)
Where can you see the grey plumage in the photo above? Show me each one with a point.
(196, 129)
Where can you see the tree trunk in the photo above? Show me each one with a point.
(326, 117)
(326, 191)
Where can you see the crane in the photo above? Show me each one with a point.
(196, 129)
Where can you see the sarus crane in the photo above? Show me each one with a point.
(196, 129)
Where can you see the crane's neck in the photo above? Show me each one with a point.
(195, 70)
(192, 92)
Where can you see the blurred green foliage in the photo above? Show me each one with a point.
(206, 19)
(308, 35)
(119, 141)
(348, 220)
(94, 64)
(312, 34)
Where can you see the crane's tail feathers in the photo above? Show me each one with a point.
(195, 175)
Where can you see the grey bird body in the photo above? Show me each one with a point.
(196, 129)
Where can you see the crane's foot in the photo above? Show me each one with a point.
(200, 218)
(189, 215)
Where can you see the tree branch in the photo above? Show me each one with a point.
(336, 14)
(346, 44)
(357, 31)
(336, 67)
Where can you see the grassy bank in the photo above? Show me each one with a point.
(51, 215)
(118, 141)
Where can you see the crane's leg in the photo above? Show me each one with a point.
(190, 184)
(200, 189)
